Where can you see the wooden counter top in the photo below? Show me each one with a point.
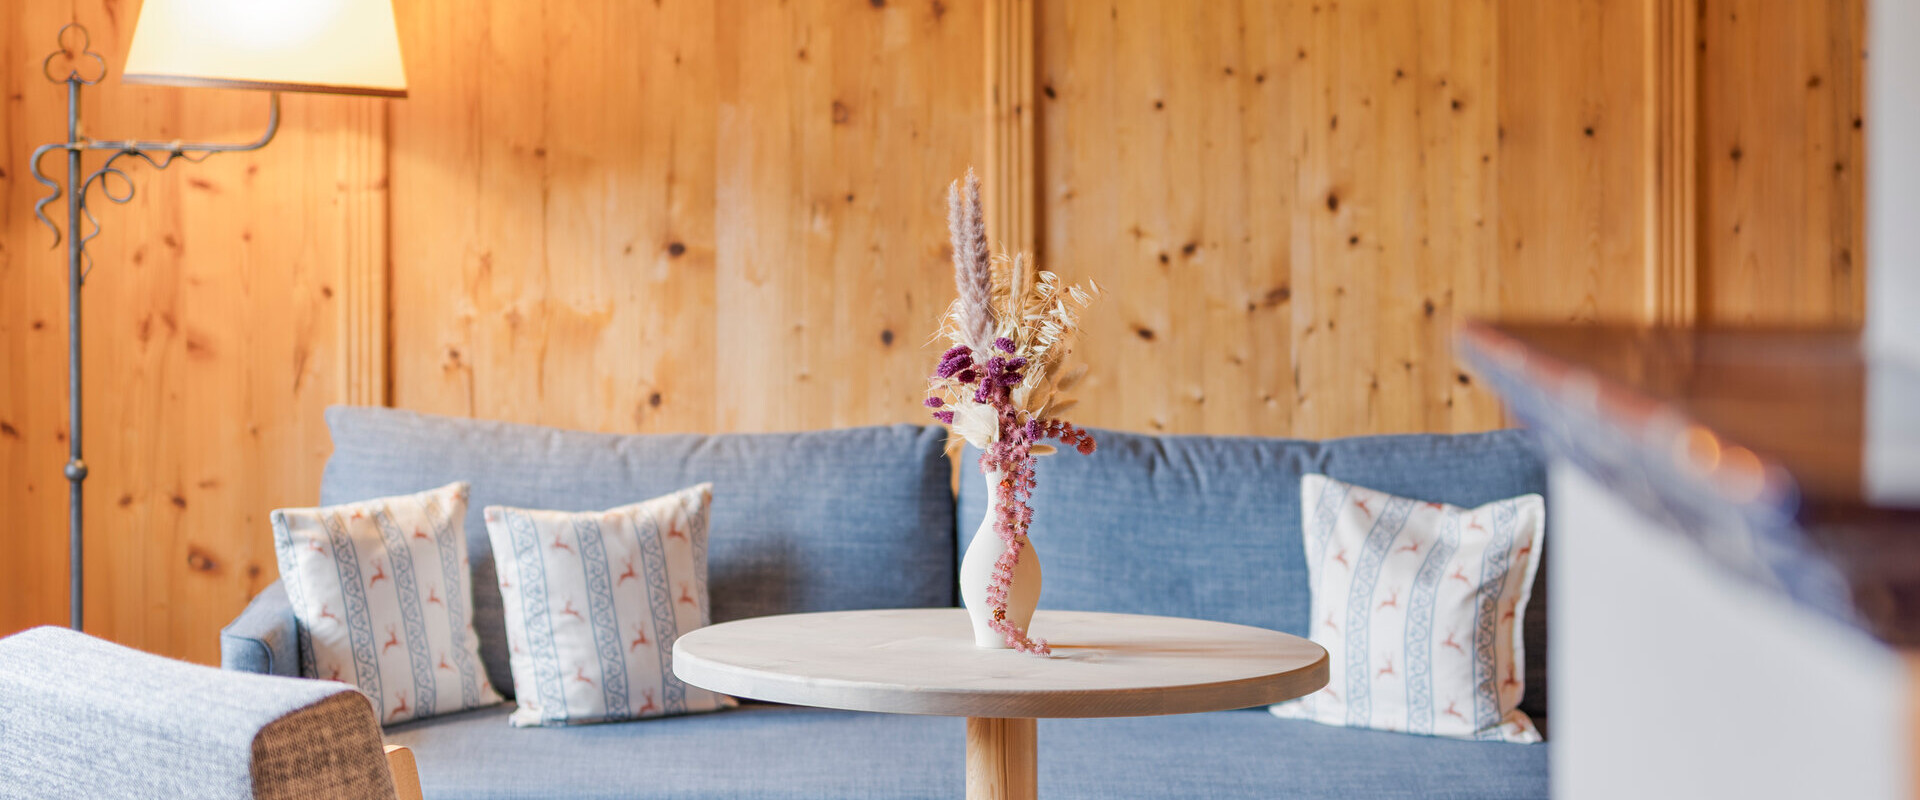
(1755, 443)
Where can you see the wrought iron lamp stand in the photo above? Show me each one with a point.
(75, 48)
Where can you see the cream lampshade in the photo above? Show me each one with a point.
(335, 46)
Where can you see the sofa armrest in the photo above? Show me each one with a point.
(263, 639)
(89, 718)
(406, 773)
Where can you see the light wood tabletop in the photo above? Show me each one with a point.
(923, 661)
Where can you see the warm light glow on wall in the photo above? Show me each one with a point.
(341, 46)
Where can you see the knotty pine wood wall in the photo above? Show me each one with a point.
(726, 216)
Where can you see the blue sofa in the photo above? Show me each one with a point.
(1192, 526)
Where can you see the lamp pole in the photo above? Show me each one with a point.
(75, 46)
(76, 469)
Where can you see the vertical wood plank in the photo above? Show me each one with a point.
(32, 330)
(553, 239)
(840, 127)
(1572, 146)
(1781, 193)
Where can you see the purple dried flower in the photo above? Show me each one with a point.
(967, 376)
(1005, 344)
(953, 361)
(935, 402)
(1033, 430)
(944, 416)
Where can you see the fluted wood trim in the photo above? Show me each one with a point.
(1673, 97)
(1011, 148)
(363, 303)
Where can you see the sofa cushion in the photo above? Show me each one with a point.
(1209, 526)
(818, 521)
(1249, 754)
(595, 601)
(1421, 607)
(368, 577)
(759, 752)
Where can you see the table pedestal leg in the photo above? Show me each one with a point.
(1001, 759)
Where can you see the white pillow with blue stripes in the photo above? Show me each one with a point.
(1420, 606)
(383, 596)
(594, 601)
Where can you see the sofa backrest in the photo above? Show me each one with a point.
(1209, 526)
(818, 521)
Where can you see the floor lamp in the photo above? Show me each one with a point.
(330, 46)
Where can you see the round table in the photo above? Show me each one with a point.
(923, 661)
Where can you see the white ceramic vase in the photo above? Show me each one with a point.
(976, 573)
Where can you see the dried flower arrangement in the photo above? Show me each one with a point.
(1002, 385)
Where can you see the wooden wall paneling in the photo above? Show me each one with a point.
(32, 331)
(1137, 128)
(1361, 143)
(729, 216)
(1781, 192)
(553, 231)
(473, 314)
(759, 267)
(439, 259)
(1172, 86)
(1457, 255)
(1266, 83)
(1075, 170)
(1311, 292)
(1400, 237)
(1572, 144)
(840, 127)
(1097, 227)
(1221, 242)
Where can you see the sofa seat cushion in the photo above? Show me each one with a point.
(760, 752)
(755, 752)
(1249, 754)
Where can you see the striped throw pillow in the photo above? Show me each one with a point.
(1420, 608)
(594, 602)
(381, 592)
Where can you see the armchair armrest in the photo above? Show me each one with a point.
(263, 639)
(88, 718)
(406, 773)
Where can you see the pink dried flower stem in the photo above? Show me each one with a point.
(1011, 455)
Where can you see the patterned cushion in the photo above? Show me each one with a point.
(594, 602)
(381, 594)
(1419, 605)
